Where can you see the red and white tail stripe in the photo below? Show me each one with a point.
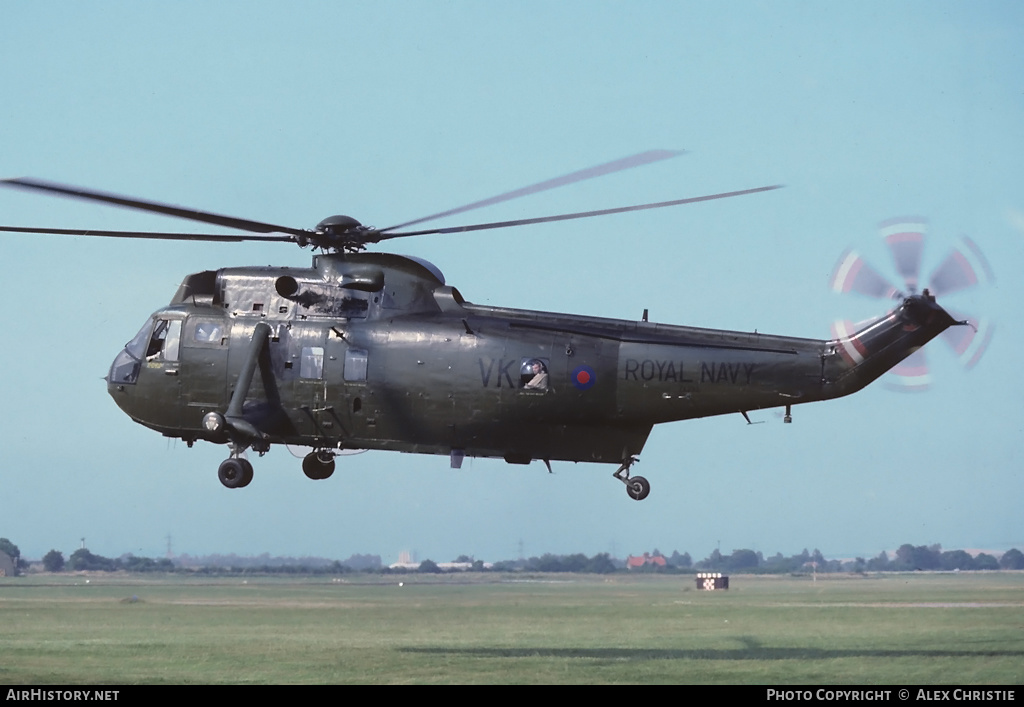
(850, 347)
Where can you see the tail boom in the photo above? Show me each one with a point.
(852, 361)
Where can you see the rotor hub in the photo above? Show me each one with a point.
(338, 224)
(341, 232)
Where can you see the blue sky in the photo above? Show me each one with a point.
(386, 111)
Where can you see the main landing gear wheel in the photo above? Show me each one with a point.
(637, 487)
(235, 473)
(318, 465)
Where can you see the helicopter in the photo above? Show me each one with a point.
(366, 350)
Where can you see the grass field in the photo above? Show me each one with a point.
(893, 629)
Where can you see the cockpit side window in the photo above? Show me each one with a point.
(165, 341)
(156, 342)
(173, 340)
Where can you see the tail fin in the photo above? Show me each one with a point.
(853, 360)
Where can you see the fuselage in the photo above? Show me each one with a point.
(375, 351)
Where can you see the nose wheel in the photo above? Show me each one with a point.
(637, 487)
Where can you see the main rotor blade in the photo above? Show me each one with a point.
(583, 214)
(579, 176)
(222, 237)
(38, 185)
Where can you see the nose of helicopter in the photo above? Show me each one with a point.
(137, 393)
(117, 380)
(124, 372)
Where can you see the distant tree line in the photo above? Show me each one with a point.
(82, 560)
(12, 551)
(601, 563)
(265, 560)
(907, 558)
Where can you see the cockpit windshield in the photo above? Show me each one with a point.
(125, 369)
(138, 343)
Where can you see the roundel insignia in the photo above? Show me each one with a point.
(584, 377)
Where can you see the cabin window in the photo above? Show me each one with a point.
(533, 374)
(355, 365)
(207, 333)
(311, 364)
(203, 333)
(166, 340)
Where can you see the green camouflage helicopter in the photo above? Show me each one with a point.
(375, 351)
